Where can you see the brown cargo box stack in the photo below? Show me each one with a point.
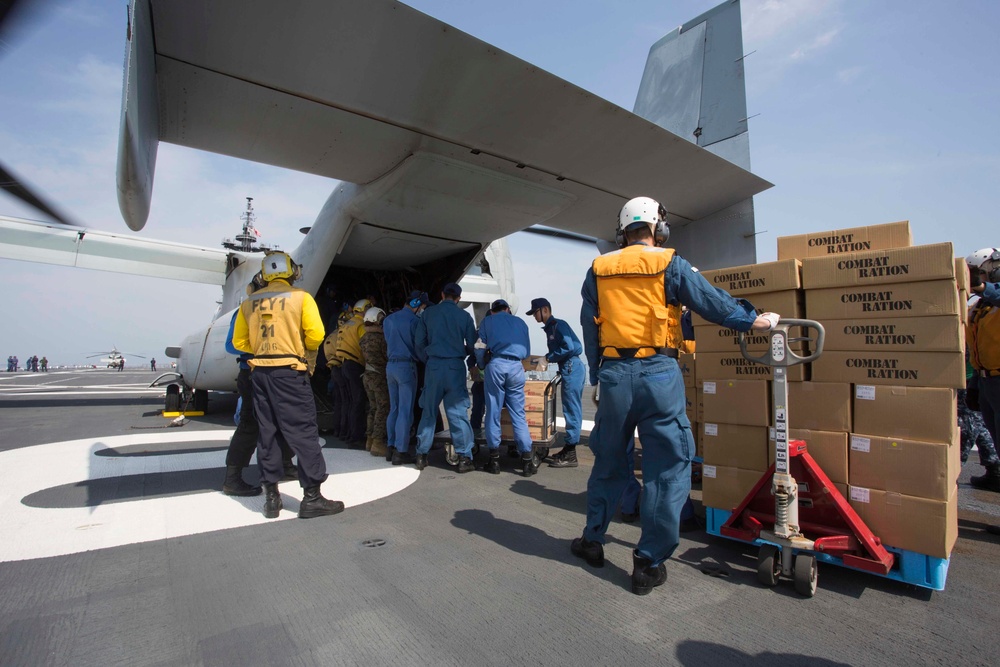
(534, 411)
(893, 316)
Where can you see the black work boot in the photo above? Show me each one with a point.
(314, 504)
(390, 454)
(465, 464)
(989, 481)
(512, 452)
(528, 464)
(592, 552)
(399, 458)
(291, 472)
(235, 486)
(645, 577)
(272, 501)
(493, 466)
(630, 517)
(565, 459)
(421, 461)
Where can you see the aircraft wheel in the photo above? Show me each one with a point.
(201, 400)
(768, 565)
(173, 400)
(806, 575)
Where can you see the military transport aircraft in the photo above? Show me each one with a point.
(457, 146)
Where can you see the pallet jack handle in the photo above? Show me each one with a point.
(780, 352)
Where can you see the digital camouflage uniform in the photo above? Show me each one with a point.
(374, 349)
(974, 432)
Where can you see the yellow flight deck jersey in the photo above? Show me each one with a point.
(280, 325)
(349, 340)
(982, 338)
(330, 350)
(634, 319)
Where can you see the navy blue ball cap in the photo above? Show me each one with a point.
(452, 289)
(538, 304)
(499, 305)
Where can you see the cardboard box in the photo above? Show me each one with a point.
(910, 369)
(745, 402)
(890, 334)
(535, 363)
(735, 445)
(839, 241)
(534, 403)
(789, 303)
(881, 267)
(533, 418)
(913, 468)
(691, 401)
(732, 366)
(916, 413)
(928, 299)
(820, 406)
(537, 433)
(756, 278)
(916, 524)
(963, 311)
(828, 449)
(686, 362)
(713, 338)
(724, 487)
(535, 387)
(962, 277)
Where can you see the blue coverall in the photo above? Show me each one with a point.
(444, 338)
(989, 387)
(506, 337)
(648, 393)
(401, 375)
(565, 349)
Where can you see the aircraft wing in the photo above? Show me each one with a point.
(351, 89)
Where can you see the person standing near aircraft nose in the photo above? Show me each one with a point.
(353, 368)
(564, 349)
(506, 339)
(983, 343)
(400, 329)
(631, 331)
(281, 326)
(444, 338)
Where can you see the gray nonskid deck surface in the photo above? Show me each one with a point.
(475, 569)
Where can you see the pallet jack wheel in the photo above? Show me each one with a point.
(450, 456)
(768, 565)
(173, 400)
(806, 575)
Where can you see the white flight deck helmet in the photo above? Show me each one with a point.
(278, 266)
(643, 210)
(374, 315)
(988, 261)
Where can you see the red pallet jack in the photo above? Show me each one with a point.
(795, 508)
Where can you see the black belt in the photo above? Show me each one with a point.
(281, 356)
(987, 374)
(507, 356)
(630, 352)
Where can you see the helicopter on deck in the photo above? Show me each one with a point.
(114, 357)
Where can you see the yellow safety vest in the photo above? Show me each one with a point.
(349, 340)
(982, 338)
(274, 318)
(633, 317)
(330, 350)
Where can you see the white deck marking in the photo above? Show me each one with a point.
(356, 477)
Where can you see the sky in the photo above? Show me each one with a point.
(862, 113)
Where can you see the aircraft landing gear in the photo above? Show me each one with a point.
(173, 400)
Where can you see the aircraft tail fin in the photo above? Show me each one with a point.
(693, 86)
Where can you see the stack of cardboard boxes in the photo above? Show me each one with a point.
(878, 413)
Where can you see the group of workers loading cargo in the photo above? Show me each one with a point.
(631, 320)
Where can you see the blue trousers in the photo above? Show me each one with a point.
(573, 379)
(504, 385)
(444, 381)
(402, 379)
(286, 412)
(630, 496)
(649, 394)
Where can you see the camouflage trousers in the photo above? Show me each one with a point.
(378, 404)
(974, 432)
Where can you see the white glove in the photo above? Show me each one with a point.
(597, 394)
(480, 345)
(772, 319)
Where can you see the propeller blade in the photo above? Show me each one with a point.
(561, 234)
(13, 185)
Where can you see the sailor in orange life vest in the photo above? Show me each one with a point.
(982, 339)
(631, 332)
(281, 326)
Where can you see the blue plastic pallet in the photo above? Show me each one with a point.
(909, 567)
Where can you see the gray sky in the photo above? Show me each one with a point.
(869, 113)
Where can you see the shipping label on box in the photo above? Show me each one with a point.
(743, 402)
(789, 303)
(916, 413)
(880, 267)
(686, 362)
(928, 299)
(915, 334)
(756, 278)
(736, 446)
(828, 449)
(913, 468)
(820, 406)
(723, 487)
(839, 241)
(910, 369)
(732, 366)
(925, 526)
